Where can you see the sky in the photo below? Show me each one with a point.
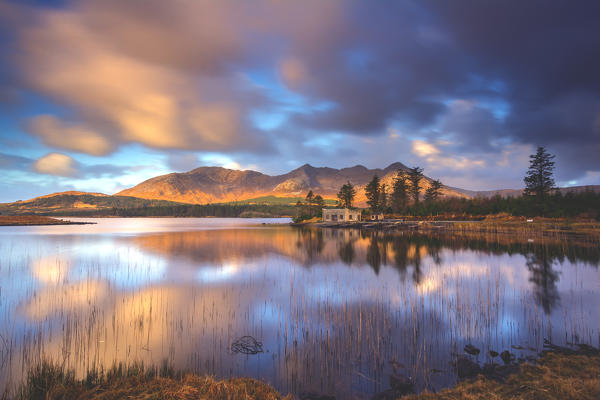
(99, 95)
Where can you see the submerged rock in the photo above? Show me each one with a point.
(472, 350)
(507, 357)
(401, 383)
(467, 368)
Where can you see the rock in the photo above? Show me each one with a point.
(493, 353)
(472, 350)
(402, 384)
(507, 357)
(467, 368)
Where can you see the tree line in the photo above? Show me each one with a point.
(540, 196)
(186, 210)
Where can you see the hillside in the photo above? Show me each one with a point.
(218, 185)
(73, 202)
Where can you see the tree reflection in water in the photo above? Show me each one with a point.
(544, 278)
(409, 249)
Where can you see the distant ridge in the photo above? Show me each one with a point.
(212, 185)
(217, 185)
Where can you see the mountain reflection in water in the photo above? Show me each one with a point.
(332, 307)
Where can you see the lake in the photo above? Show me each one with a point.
(335, 310)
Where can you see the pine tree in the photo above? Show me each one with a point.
(310, 198)
(346, 195)
(372, 193)
(539, 181)
(383, 197)
(434, 191)
(399, 192)
(415, 175)
(319, 204)
(319, 201)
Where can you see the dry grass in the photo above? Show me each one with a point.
(52, 383)
(15, 220)
(556, 376)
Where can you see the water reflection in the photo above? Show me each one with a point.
(332, 307)
(544, 278)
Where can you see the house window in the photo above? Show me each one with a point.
(342, 217)
(350, 216)
(327, 217)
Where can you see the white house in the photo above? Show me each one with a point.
(340, 215)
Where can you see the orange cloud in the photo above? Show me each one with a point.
(56, 164)
(122, 93)
(424, 149)
(293, 72)
(437, 160)
(72, 137)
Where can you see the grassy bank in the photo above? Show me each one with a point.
(538, 228)
(21, 220)
(50, 382)
(556, 375)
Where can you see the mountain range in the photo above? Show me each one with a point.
(206, 185)
(218, 185)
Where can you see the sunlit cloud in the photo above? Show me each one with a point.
(424, 149)
(55, 132)
(121, 97)
(293, 72)
(56, 164)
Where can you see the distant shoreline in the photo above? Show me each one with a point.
(36, 220)
(536, 228)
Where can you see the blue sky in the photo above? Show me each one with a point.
(101, 95)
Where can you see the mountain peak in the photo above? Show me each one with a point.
(395, 167)
(305, 166)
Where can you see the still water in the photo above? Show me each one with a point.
(333, 308)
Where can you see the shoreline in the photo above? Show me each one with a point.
(557, 372)
(36, 220)
(542, 229)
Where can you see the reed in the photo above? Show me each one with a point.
(328, 324)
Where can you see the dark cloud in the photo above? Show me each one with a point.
(14, 162)
(546, 56)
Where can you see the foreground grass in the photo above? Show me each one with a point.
(556, 376)
(50, 382)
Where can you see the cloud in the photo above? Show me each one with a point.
(56, 164)
(56, 133)
(424, 149)
(63, 165)
(14, 162)
(120, 94)
(437, 160)
(189, 76)
(293, 72)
